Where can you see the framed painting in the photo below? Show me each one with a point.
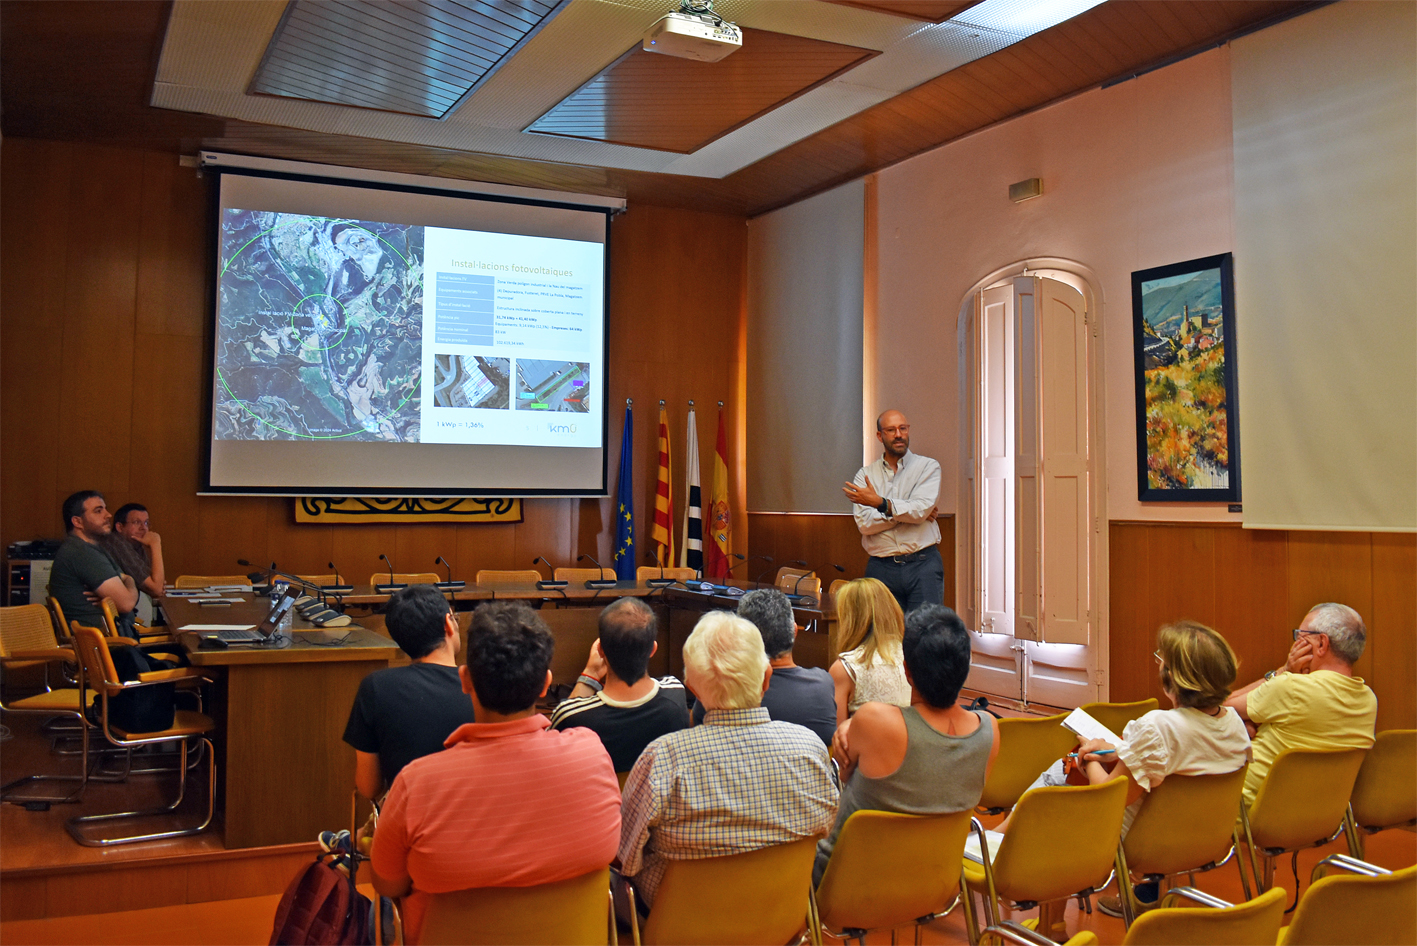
(1188, 435)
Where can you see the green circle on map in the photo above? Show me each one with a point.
(296, 311)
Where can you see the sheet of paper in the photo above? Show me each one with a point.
(971, 845)
(217, 627)
(1086, 727)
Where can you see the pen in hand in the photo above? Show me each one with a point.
(1074, 755)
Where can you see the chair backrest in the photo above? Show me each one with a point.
(100, 675)
(652, 571)
(584, 574)
(1252, 923)
(25, 627)
(1060, 840)
(1026, 748)
(836, 586)
(1207, 805)
(888, 869)
(1385, 792)
(61, 623)
(1304, 797)
(1355, 909)
(575, 911)
(320, 579)
(510, 576)
(202, 581)
(1115, 716)
(110, 617)
(405, 578)
(802, 583)
(753, 898)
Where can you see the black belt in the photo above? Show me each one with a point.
(901, 559)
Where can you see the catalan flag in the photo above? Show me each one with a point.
(691, 554)
(625, 507)
(720, 547)
(662, 535)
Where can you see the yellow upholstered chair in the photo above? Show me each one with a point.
(1252, 923)
(61, 623)
(1363, 905)
(761, 896)
(141, 632)
(1061, 842)
(584, 574)
(1115, 716)
(889, 870)
(1008, 931)
(1385, 792)
(405, 578)
(1302, 803)
(645, 572)
(798, 581)
(100, 675)
(320, 579)
(836, 586)
(575, 912)
(27, 640)
(507, 576)
(1026, 748)
(205, 581)
(1185, 825)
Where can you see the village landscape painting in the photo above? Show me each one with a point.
(1187, 431)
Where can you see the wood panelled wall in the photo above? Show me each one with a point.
(822, 541)
(1254, 586)
(104, 323)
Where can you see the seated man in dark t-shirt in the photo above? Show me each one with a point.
(801, 695)
(83, 571)
(615, 697)
(404, 713)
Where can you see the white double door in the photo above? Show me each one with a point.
(1025, 528)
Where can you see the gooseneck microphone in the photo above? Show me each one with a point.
(661, 582)
(339, 588)
(449, 585)
(597, 583)
(549, 584)
(392, 585)
(269, 572)
(757, 582)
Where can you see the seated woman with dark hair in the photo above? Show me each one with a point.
(928, 758)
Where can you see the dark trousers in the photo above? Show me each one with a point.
(914, 579)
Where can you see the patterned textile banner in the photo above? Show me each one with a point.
(354, 511)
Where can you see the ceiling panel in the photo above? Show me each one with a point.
(415, 58)
(650, 100)
(930, 11)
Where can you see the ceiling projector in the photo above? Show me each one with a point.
(688, 36)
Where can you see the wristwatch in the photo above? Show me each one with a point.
(1272, 674)
(591, 682)
(884, 508)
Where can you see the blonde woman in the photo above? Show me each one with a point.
(1200, 735)
(871, 667)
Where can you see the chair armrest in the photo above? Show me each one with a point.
(1195, 896)
(1346, 864)
(47, 653)
(1007, 931)
(120, 642)
(164, 676)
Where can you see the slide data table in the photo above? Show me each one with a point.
(285, 773)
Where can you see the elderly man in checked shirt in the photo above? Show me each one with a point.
(737, 782)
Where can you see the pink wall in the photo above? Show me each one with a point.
(1134, 176)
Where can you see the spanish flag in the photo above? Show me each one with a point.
(719, 548)
(662, 535)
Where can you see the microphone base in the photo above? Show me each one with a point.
(600, 584)
(547, 584)
(450, 585)
(337, 589)
(388, 589)
(659, 582)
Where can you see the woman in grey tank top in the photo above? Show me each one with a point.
(928, 758)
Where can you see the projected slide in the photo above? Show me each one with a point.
(319, 329)
(355, 330)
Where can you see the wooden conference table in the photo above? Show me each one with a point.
(285, 772)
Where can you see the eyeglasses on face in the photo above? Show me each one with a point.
(1300, 630)
(893, 431)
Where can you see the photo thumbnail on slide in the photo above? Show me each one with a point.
(319, 328)
(553, 386)
(472, 381)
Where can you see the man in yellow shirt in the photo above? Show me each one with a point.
(1315, 702)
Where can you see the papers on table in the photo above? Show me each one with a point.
(208, 628)
(971, 845)
(1086, 727)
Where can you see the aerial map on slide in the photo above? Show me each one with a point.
(319, 333)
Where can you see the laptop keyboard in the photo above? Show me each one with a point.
(232, 637)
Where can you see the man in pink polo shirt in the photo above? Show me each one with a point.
(509, 802)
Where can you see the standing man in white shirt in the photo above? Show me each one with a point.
(895, 505)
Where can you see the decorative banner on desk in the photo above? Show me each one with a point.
(355, 511)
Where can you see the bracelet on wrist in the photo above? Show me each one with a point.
(591, 682)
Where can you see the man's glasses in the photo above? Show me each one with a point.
(1299, 630)
(1159, 661)
(893, 431)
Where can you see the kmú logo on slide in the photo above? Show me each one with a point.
(560, 428)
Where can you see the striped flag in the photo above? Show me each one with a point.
(691, 554)
(720, 548)
(624, 511)
(662, 535)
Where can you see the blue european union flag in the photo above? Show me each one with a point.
(625, 508)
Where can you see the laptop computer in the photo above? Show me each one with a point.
(267, 628)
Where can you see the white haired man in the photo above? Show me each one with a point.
(736, 783)
(1314, 701)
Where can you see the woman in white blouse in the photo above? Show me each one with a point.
(871, 668)
(1198, 736)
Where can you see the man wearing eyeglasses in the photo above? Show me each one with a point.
(1315, 701)
(895, 505)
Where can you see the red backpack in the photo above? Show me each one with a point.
(322, 907)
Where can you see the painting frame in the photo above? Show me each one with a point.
(1182, 455)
